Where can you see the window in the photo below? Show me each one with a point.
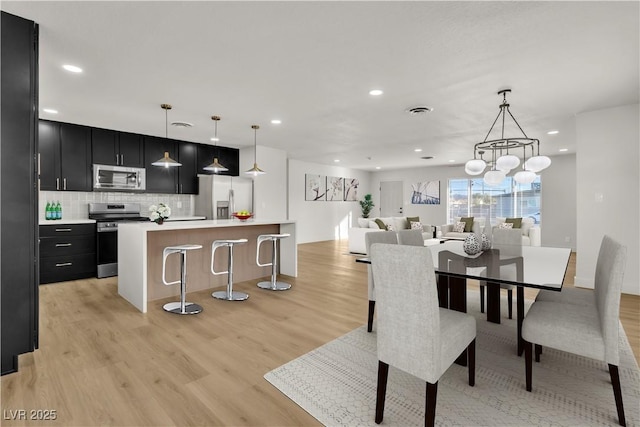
(472, 197)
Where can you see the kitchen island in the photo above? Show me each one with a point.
(140, 246)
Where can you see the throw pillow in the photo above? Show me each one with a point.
(505, 225)
(468, 223)
(458, 227)
(363, 222)
(411, 219)
(381, 224)
(416, 225)
(390, 227)
(517, 222)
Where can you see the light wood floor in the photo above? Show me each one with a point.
(101, 362)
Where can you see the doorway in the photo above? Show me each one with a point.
(391, 203)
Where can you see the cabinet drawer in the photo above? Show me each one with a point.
(67, 230)
(67, 245)
(59, 269)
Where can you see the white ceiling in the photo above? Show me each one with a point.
(312, 64)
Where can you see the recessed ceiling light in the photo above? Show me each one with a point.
(214, 139)
(451, 161)
(553, 132)
(276, 122)
(375, 92)
(72, 68)
(50, 110)
(378, 167)
(562, 150)
(337, 160)
(417, 150)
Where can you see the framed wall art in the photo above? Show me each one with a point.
(425, 193)
(315, 187)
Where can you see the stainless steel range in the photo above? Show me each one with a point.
(108, 216)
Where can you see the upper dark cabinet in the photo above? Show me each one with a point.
(187, 174)
(64, 156)
(228, 157)
(159, 179)
(117, 148)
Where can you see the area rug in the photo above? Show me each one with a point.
(336, 384)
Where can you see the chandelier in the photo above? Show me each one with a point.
(502, 150)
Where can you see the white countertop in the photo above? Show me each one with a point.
(66, 221)
(182, 225)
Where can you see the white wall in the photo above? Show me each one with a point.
(322, 220)
(559, 203)
(270, 189)
(608, 202)
(558, 200)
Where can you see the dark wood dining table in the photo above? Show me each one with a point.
(537, 267)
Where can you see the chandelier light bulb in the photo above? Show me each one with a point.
(508, 162)
(525, 177)
(494, 177)
(475, 166)
(537, 163)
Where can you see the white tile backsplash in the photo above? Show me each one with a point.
(75, 204)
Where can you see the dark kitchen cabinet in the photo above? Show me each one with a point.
(117, 148)
(160, 179)
(67, 252)
(228, 157)
(64, 156)
(187, 174)
(18, 189)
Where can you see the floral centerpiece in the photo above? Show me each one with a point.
(159, 213)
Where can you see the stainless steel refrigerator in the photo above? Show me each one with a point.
(219, 196)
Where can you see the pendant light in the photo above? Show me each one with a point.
(215, 167)
(166, 161)
(255, 170)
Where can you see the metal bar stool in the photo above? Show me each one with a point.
(273, 285)
(229, 294)
(181, 307)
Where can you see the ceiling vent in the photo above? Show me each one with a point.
(182, 124)
(426, 157)
(418, 111)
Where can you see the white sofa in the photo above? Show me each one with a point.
(531, 235)
(368, 225)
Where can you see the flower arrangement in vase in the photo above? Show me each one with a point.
(159, 213)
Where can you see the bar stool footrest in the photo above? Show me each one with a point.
(189, 308)
(235, 296)
(277, 286)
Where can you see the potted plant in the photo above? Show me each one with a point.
(366, 204)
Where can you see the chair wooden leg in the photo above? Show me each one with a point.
(617, 393)
(383, 373)
(528, 363)
(510, 302)
(481, 299)
(372, 306)
(538, 352)
(471, 355)
(430, 402)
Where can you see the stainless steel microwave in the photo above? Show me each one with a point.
(118, 178)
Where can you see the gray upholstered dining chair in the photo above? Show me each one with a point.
(414, 334)
(371, 238)
(585, 327)
(410, 237)
(508, 238)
